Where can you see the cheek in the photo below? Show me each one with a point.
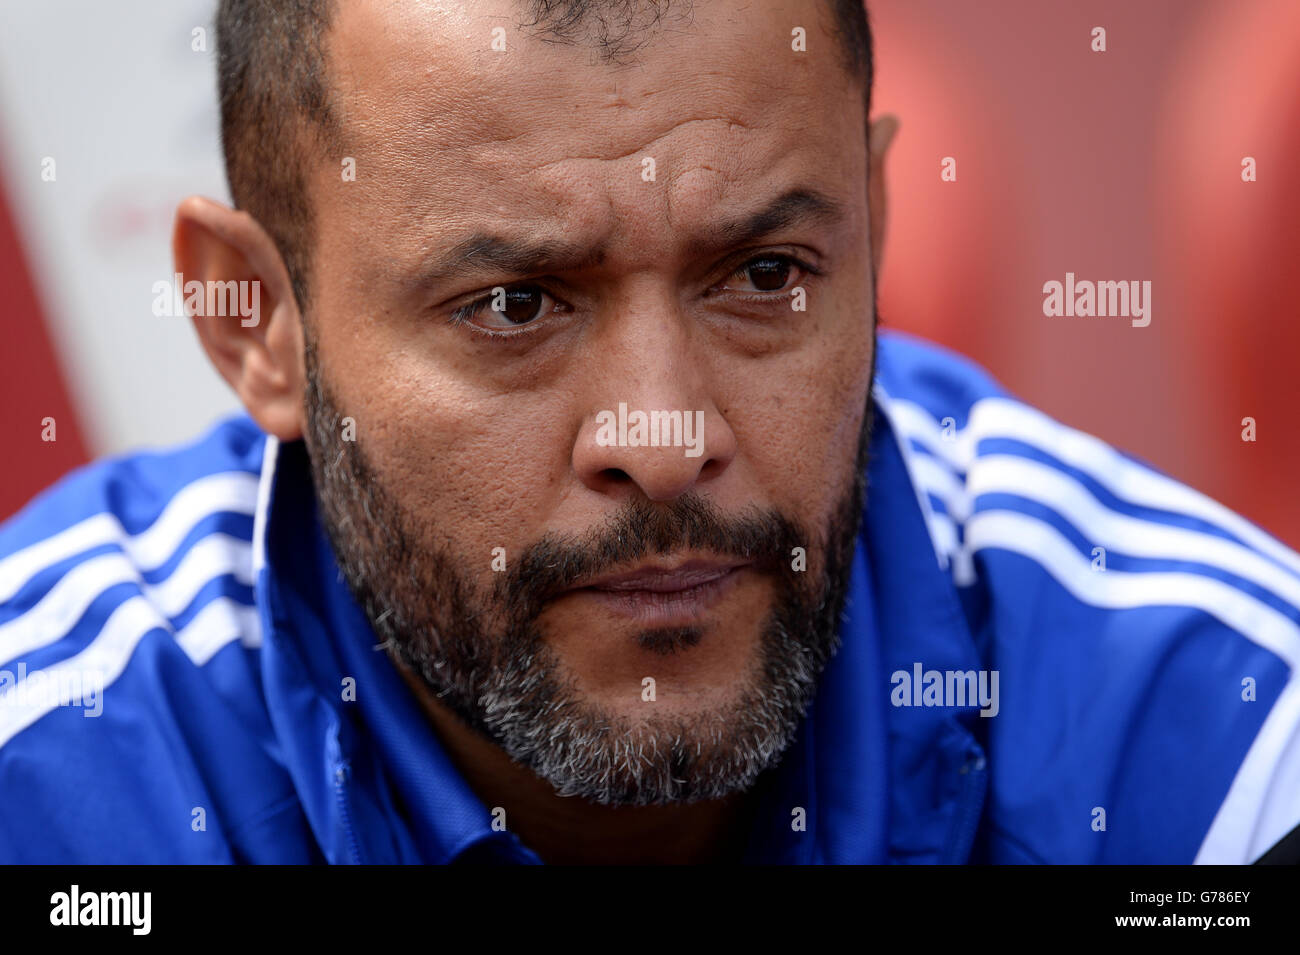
(473, 465)
(798, 438)
(477, 471)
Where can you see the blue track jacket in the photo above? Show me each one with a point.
(175, 637)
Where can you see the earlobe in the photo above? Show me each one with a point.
(236, 289)
(881, 135)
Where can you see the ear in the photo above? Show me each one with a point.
(882, 134)
(253, 335)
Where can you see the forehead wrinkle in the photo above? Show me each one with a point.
(732, 125)
(484, 252)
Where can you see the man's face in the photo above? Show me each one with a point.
(480, 439)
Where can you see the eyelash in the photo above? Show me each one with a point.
(466, 313)
(772, 297)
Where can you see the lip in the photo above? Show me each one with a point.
(664, 595)
(663, 578)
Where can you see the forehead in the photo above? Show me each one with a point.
(455, 131)
(445, 61)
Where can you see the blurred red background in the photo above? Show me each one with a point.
(1117, 165)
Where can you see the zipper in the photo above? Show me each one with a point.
(974, 773)
(342, 772)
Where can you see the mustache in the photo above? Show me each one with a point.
(764, 538)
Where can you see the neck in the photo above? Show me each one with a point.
(574, 831)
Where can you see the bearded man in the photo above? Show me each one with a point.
(579, 514)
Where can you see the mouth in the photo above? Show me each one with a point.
(663, 595)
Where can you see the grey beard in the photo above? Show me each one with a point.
(483, 654)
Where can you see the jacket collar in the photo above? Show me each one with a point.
(376, 784)
(936, 760)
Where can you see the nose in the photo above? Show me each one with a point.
(653, 427)
(661, 450)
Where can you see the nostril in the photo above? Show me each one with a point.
(712, 468)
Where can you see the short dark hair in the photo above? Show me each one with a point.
(275, 103)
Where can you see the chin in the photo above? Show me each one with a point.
(698, 656)
(636, 672)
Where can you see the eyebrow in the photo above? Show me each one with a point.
(487, 253)
(798, 206)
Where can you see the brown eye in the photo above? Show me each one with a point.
(768, 274)
(513, 306)
(522, 304)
